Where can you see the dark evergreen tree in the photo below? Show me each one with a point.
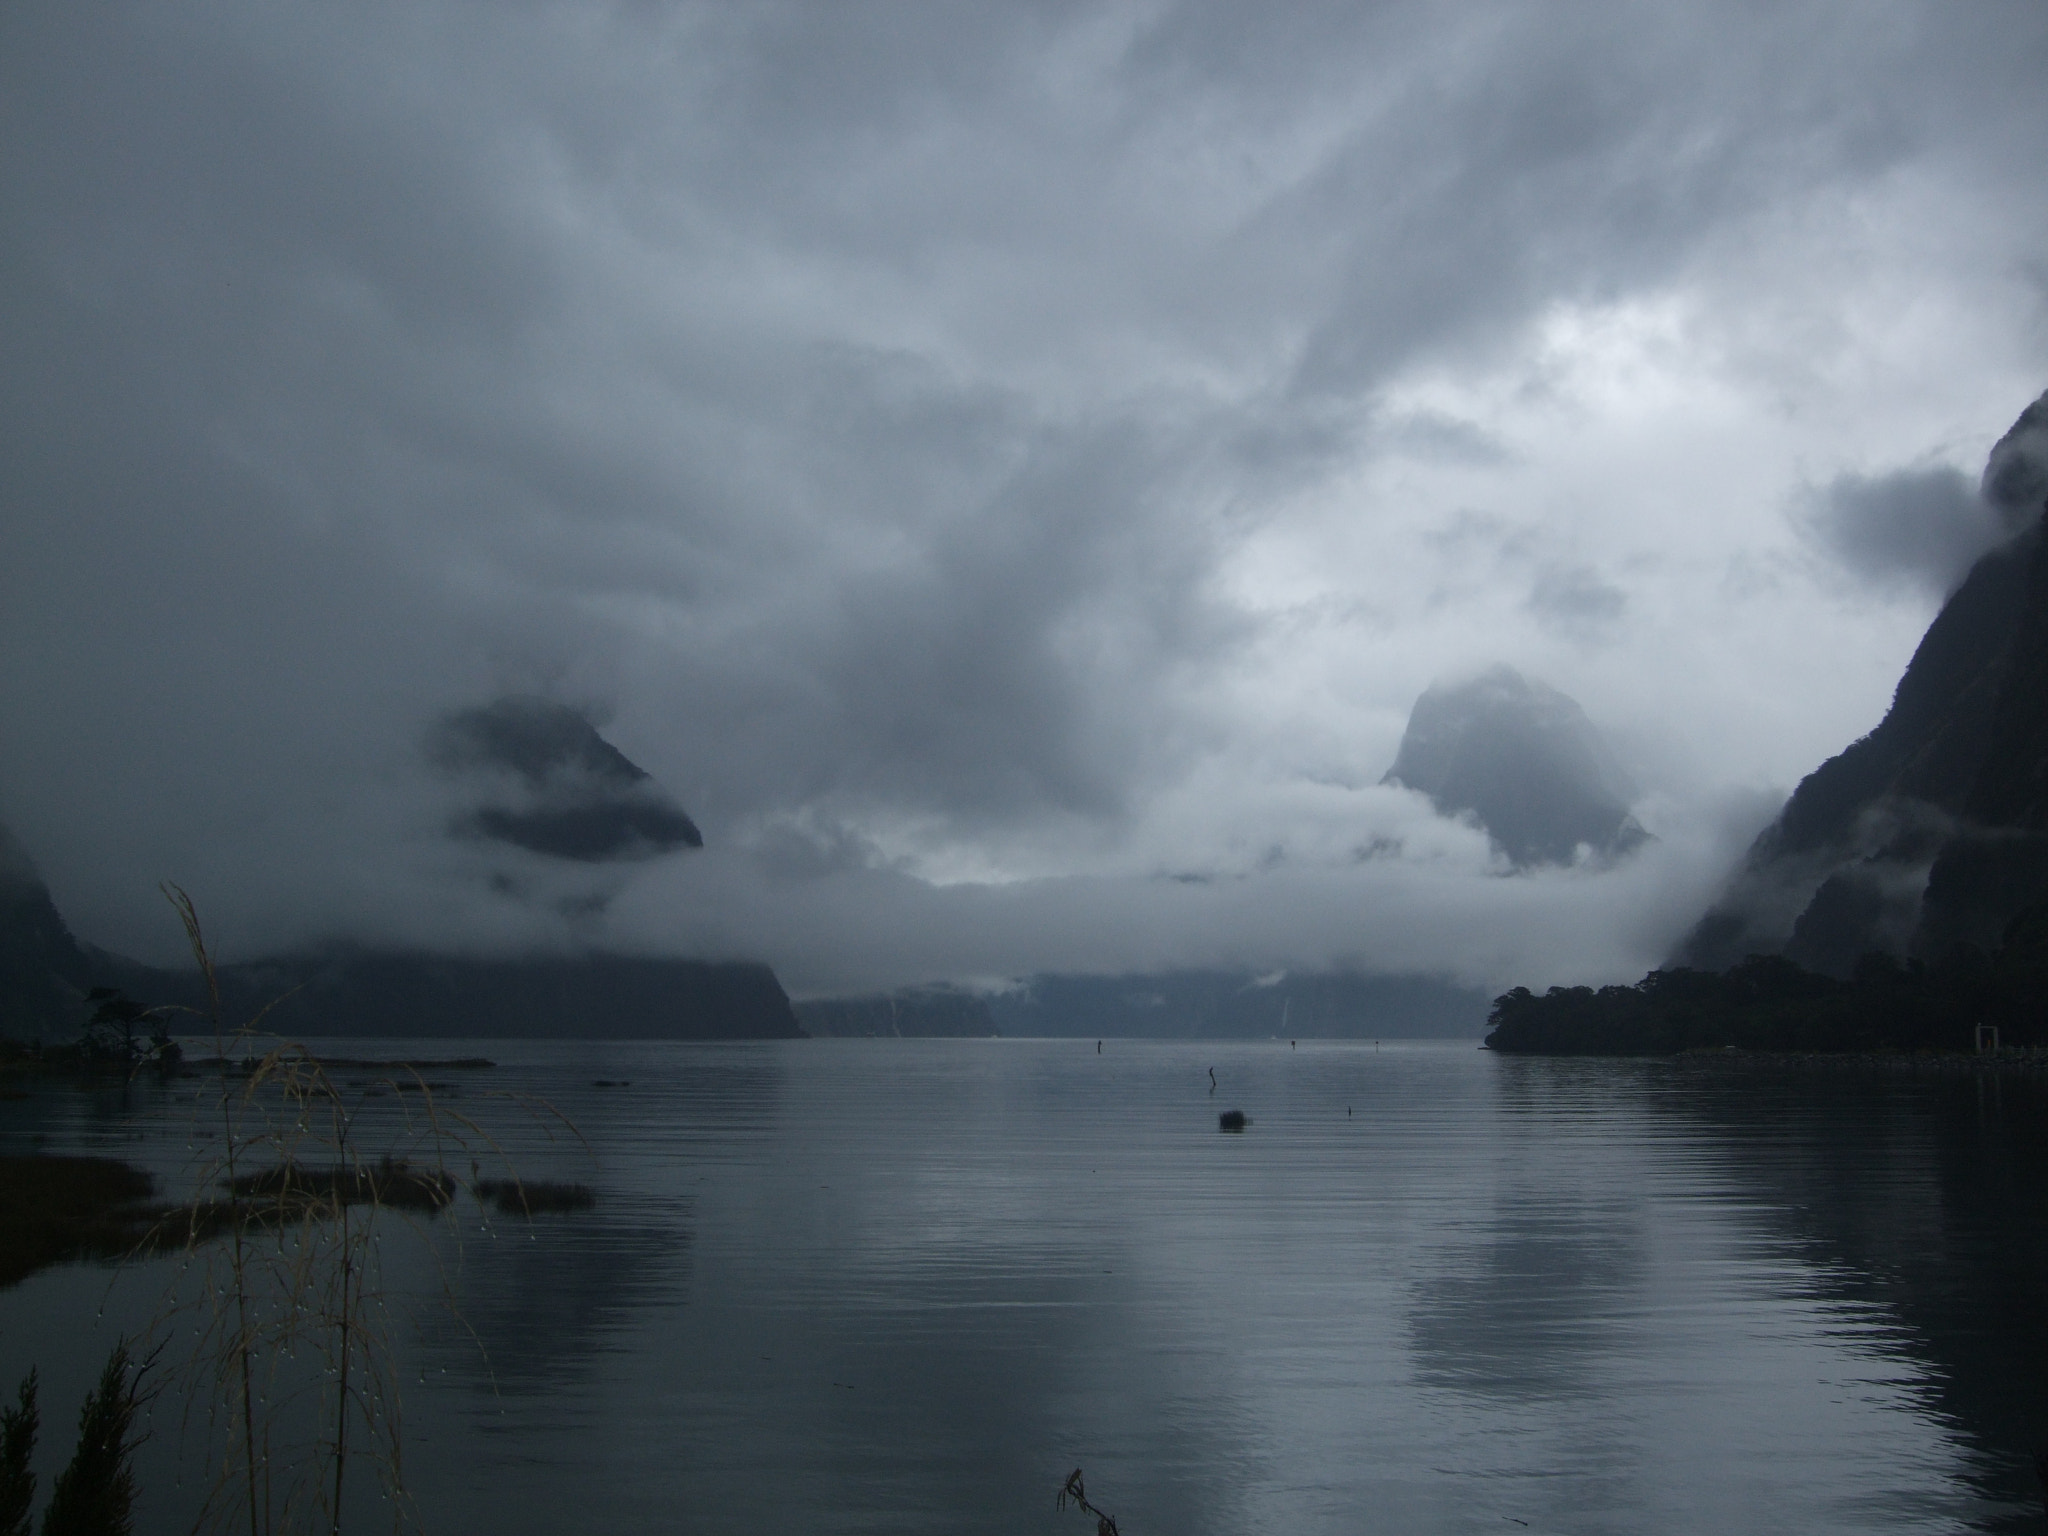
(95, 1494)
(18, 1427)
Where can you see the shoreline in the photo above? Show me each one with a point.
(2025, 1060)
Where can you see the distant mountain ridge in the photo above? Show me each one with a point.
(1184, 1005)
(920, 1013)
(592, 996)
(45, 973)
(1931, 832)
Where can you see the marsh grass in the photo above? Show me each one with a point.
(292, 1377)
(286, 1365)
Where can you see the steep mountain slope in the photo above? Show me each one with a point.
(44, 972)
(1932, 831)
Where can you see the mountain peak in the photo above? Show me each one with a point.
(1524, 760)
(540, 778)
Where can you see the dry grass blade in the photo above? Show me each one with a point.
(1105, 1525)
(294, 1369)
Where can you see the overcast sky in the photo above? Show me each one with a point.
(1007, 470)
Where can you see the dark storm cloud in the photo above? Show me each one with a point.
(1521, 156)
(1924, 526)
(882, 405)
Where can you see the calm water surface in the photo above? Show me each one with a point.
(909, 1285)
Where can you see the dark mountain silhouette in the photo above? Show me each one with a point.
(948, 1013)
(1171, 1005)
(596, 996)
(1525, 761)
(1236, 1004)
(544, 780)
(46, 973)
(1932, 831)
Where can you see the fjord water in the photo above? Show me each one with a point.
(910, 1285)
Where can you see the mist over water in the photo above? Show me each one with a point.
(910, 1285)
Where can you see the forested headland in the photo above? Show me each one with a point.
(1771, 1003)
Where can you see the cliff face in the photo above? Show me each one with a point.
(44, 973)
(1996, 866)
(1932, 831)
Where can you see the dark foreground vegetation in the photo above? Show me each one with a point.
(58, 1208)
(1769, 1003)
(95, 1494)
(289, 1367)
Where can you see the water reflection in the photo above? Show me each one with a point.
(1530, 1314)
(1920, 1193)
(910, 1285)
(535, 1305)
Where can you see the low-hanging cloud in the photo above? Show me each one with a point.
(1924, 526)
(986, 458)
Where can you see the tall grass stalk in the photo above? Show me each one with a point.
(292, 1327)
(238, 1235)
